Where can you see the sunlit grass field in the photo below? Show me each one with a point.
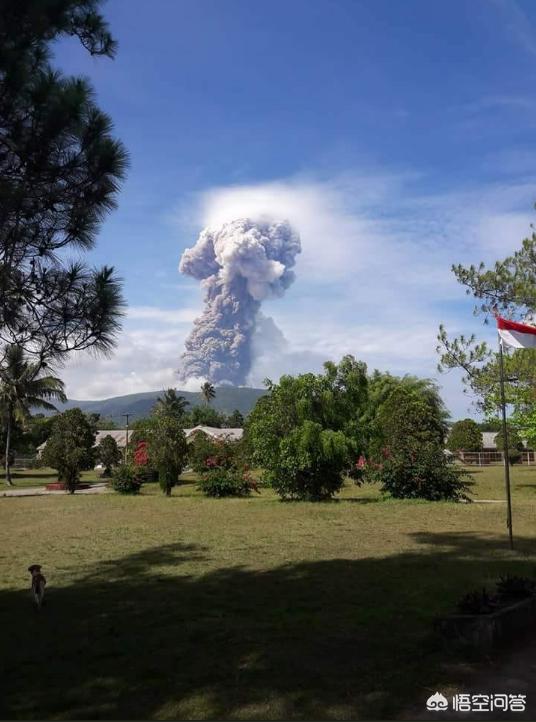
(200, 608)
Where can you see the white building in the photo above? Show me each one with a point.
(120, 435)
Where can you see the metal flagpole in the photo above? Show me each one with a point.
(506, 450)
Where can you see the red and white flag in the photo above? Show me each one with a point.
(517, 335)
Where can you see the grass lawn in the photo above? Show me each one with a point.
(26, 478)
(243, 608)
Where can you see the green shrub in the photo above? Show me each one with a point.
(478, 602)
(221, 482)
(512, 587)
(125, 480)
(205, 453)
(423, 473)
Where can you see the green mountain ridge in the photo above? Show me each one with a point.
(228, 398)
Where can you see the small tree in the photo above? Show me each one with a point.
(108, 454)
(69, 448)
(465, 436)
(412, 463)
(23, 386)
(306, 433)
(235, 420)
(170, 404)
(203, 416)
(167, 449)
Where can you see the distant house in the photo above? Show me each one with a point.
(490, 454)
(120, 435)
(215, 433)
(489, 444)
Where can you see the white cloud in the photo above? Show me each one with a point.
(374, 278)
(162, 315)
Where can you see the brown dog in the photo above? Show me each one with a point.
(38, 584)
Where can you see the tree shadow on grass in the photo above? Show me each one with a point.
(138, 638)
(29, 474)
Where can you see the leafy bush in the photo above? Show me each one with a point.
(125, 480)
(221, 482)
(167, 449)
(512, 587)
(205, 453)
(477, 602)
(108, 453)
(69, 448)
(465, 436)
(144, 471)
(307, 432)
(423, 473)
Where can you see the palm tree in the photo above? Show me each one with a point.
(21, 388)
(170, 404)
(207, 391)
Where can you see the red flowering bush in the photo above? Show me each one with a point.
(141, 456)
(144, 470)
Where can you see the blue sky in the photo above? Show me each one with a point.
(397, 137)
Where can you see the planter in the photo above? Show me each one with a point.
(484, 632)
(60, 486)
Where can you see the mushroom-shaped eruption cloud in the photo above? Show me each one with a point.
(239, 264)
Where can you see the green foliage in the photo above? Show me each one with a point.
(204, 416)
(420, 473)
(407, 455)
(306, 433)
(220, 482)
(235, 420)
(103, 423)
(167, 449)
(490, 425)
(69, 448)
(108, 454)
(37, 430)
(479, 601)
(465, 436)
(381, 388)
(170, 404)
(208, 391)
(126, 480)
(60, 170)
(514, 587)
(409, 418)
(23, 386)
(526, 423)
(205, 453)
(515, 445)
(508, 288)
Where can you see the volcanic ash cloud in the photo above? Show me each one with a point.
(240, 264)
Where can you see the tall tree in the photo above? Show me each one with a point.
(509, 288)
(168, 450)
(170, 404)
(208, 391)
(60, 170)
(23, 387)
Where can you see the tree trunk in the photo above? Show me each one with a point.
(8, 479)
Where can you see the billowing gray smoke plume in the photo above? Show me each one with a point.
(239, 265)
